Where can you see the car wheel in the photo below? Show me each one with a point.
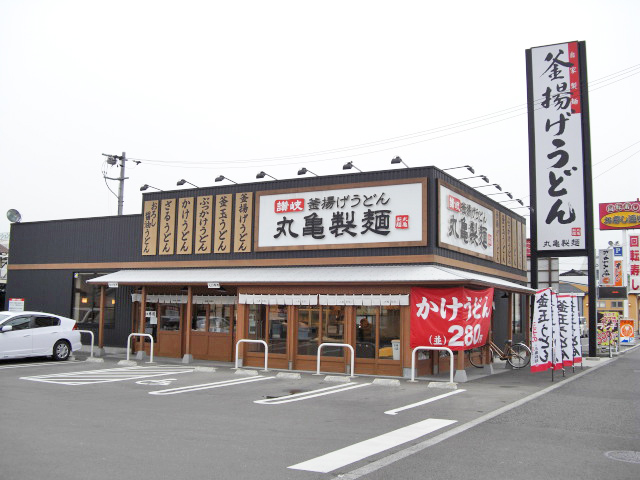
(61, 350)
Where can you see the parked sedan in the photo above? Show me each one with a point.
(37, 334)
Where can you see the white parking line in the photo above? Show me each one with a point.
(207, 386)
(358, 451)
(24, 365)
(108, 375)
(417, 404)
(312, 394)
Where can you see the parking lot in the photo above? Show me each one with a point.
(171, 420)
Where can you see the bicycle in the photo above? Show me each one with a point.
(518, 355)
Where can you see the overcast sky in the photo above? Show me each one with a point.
(196, 89)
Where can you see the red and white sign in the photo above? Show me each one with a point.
(565, 325)
(16, 304)
(285, 205)
(634, 264)
(620, 215)
(458, 318)
(541, 331)
(575, 330)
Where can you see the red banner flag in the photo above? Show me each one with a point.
(458, 318)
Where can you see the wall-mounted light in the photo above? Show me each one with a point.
(146, 186)
(498, 187)
(263, 174)
(349, 166)
(468, 167)
(303, 170)
(222, 177)
(483, 177)
(84, 300)
(183, 181)
(396, 160)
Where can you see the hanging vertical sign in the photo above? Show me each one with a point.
(618, 273)
(204, 215)
(556, 150)
(565, 317)
(605, 267)
(150, 228)
(556, 336)
(222, 233)
(575, 330)
(634, 264)
(185, 226)
(541, 331)
(167, 226)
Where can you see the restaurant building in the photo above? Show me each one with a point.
(295, 263)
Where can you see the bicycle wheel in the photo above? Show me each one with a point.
(475, 357)
(519, 356)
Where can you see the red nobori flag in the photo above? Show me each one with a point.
(542, 331)
(457, 318)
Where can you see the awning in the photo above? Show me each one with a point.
(374, 274)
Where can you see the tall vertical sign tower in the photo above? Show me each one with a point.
(560, 160)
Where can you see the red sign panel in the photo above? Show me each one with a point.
(289, 205)
(457, 318)
(620, 215)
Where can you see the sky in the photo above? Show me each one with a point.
(198, 89)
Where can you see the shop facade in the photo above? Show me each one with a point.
(294, 263)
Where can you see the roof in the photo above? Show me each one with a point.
(383, 274)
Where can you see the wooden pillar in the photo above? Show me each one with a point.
(241, 329)
(459, 363)
(187, 321)
(292, 334)
(143, 308)
(527, 316)
(510, 317)
(101, 319)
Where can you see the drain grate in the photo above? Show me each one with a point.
(623, 456)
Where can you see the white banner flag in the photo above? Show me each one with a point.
(541, 330)
(575, 324)
(565, 317)
(557, 348)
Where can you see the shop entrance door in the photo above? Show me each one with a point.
(212, 332)
(317, 325)
(170, 321)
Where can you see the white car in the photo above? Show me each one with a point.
(37, 334)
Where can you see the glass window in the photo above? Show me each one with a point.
(308, 330)
(333, 330)
(42, 321)
(169, 317)
(150, 321)
(277, 328)
(219, 318)
(199, 318)
(366, 332)
(517, 309)
(86, 302)
(19, 323)
(389, 333)
(257, 327)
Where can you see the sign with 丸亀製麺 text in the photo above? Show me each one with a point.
(467, 225)
(457, 318)
(557, 160)
(346, 216)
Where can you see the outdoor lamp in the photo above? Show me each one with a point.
(183, 181)
(262, 174)
(146, 186)
(498, 187)
(468, 167)
(349, 166)
(398, 160)
(483, 177)
(222, 177)
(303, 170)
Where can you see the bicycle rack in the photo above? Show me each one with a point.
(413, 361)
(335, 345)
(266, 350)
(140, 335)
(92, 339)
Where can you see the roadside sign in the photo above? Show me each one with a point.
(627, 335)
(16, 304)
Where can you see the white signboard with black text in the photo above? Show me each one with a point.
(384, 214)
(464, 224)
(557, 128)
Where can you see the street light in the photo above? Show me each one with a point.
(262, 174)
(222, 177)
(303, 170)
(349, 166)
(183, 181)
(508, 194)
(396, 160)
(514, 200)
(468, 167)
(146, 186)
(498, 187)
(483, 177)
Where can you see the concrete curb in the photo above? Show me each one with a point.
(387, 382)
(95, 360)
(205, 369)
(444, 385)
(247, 373)
(128, 363)
(337, 379)
(289, 376)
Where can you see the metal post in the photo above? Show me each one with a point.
(123, 160)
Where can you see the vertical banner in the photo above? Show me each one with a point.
(458, 318)
(575, 330)
(607, 333)
(557, 345)
(244, 222)
(556, 159)
(222, 234)
(541, 323)
(634, 264)
(185, 226)
(618, 273)
(627, 335)
(605, 267)
(150, 228)
(167, 226)
(204, 215)
(565, 318)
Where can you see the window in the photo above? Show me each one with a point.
(19, 323)
(617, 304)
(169, 317)
(517, 313)
(377, 331)
(86, 302)
(219, 318)
(269, 323)
(42, 321)
(320, 324)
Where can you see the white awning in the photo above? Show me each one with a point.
(374, 274)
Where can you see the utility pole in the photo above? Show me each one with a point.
(113, 160)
